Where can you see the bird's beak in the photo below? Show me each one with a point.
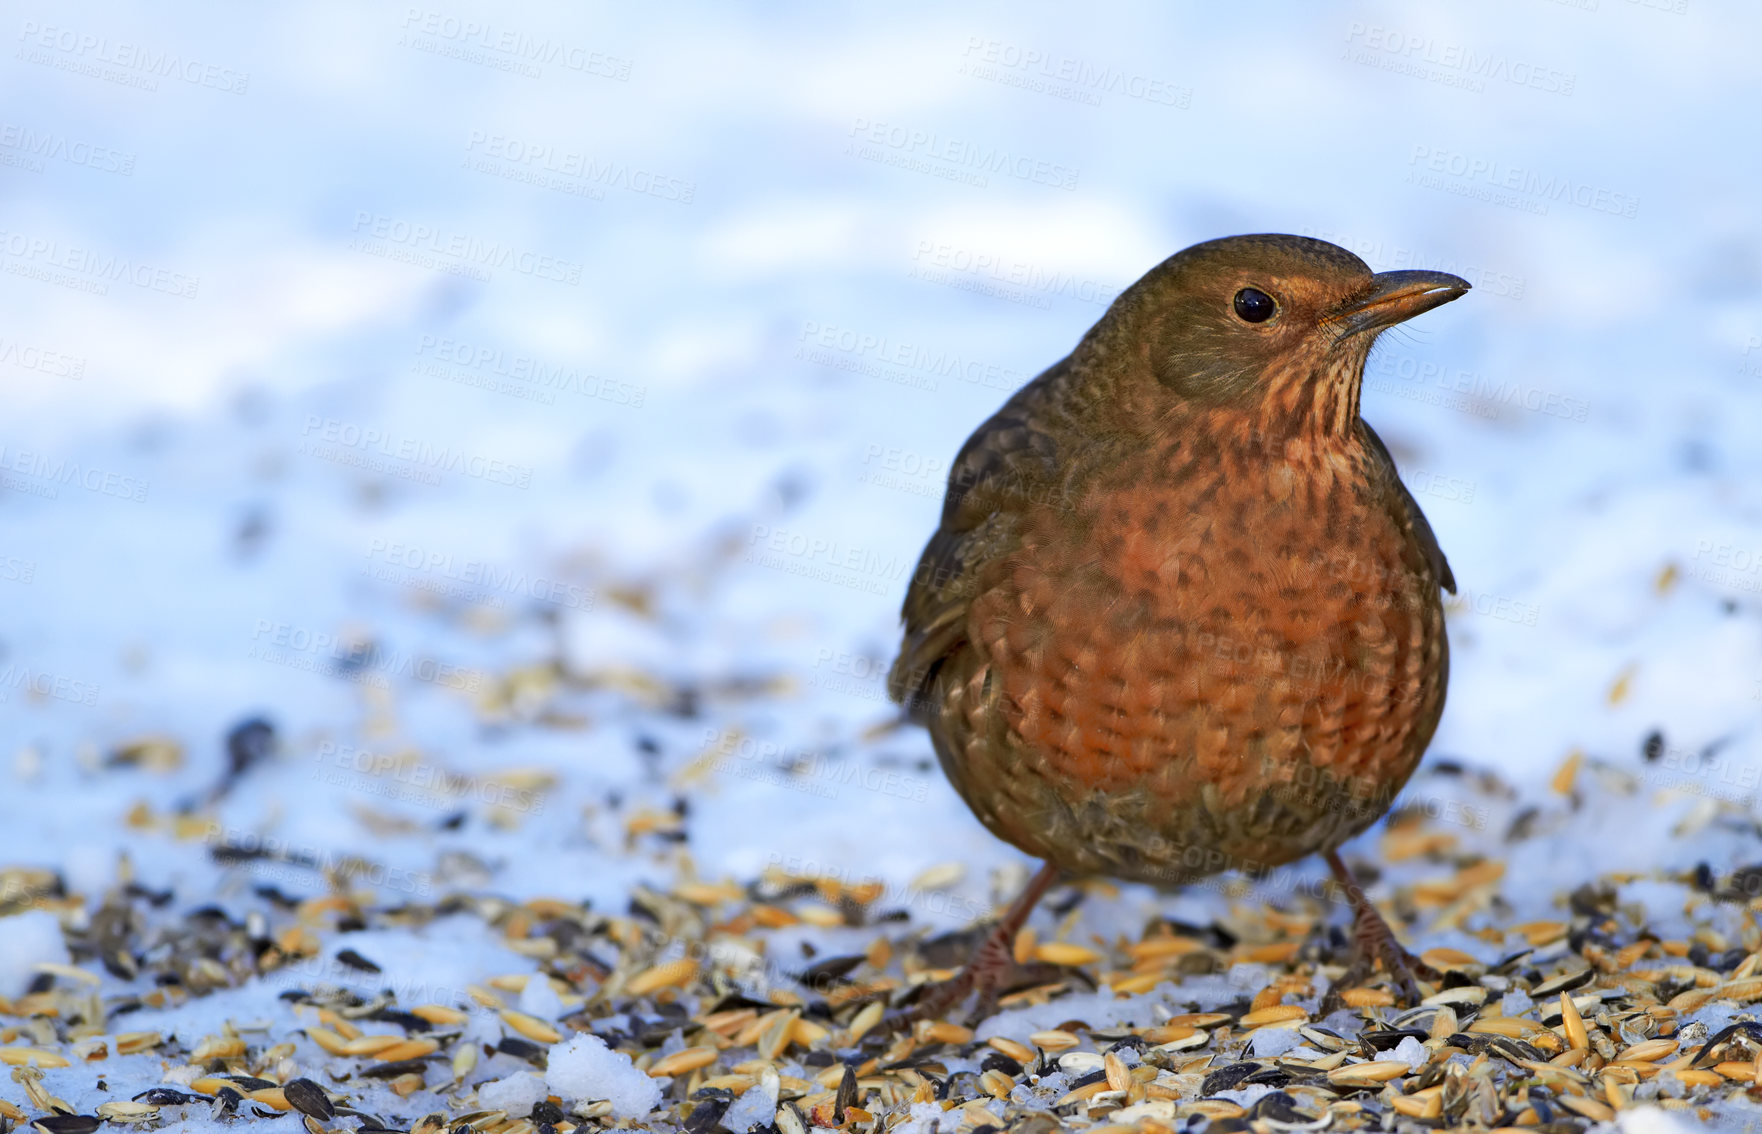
(1395, 297)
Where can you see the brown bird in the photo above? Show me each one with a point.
(1181, 615)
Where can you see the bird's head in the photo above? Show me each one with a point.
(1271, 323)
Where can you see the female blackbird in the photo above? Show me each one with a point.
(1181, 615)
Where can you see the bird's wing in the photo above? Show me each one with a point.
(1006, 466)
(1410, 515)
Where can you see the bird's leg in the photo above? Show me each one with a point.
(990, 966)
(1373, 941)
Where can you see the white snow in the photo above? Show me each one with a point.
(928, 1118)
(1652, 1120)
(27, 940)
(1410, 1051)
(757, 1106)
(583, 1068)
(1271, 1042)
(515, 1094)
(539, 999)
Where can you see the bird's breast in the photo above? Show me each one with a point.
(1204, 632)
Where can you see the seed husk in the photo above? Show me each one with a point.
(681, 1062)
(1375, 1071)
(668, 974)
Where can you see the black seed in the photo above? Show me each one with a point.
(409, 1021)
(707, 1116)
(997, 1061)
(1277, 1106)
(1704, 1057)
(847, 1096)
(67, 1124)
(830, 971)
(395, 1068)
(1225, 1078)
(1562, 982)
(356, 961)
(249, 743)
(522, 1049)
(308, 1097)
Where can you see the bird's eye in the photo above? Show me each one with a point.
(1254, 305)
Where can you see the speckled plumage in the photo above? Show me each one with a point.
(1181, 615)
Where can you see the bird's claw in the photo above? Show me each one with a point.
(1405, 971)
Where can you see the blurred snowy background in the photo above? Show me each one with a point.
(534, 410)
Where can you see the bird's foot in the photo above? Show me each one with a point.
(1374, 942)
(989, 972)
